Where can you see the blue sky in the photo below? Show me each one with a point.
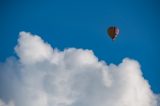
(83, 24)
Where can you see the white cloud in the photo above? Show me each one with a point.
(43, 76)
(4, 104)
(32, 49)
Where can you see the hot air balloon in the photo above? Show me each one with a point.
(113, 32)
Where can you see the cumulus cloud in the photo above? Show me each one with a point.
(43, 76)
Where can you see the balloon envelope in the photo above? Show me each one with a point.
(113, 32)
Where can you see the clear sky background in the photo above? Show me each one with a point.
(83, 24)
